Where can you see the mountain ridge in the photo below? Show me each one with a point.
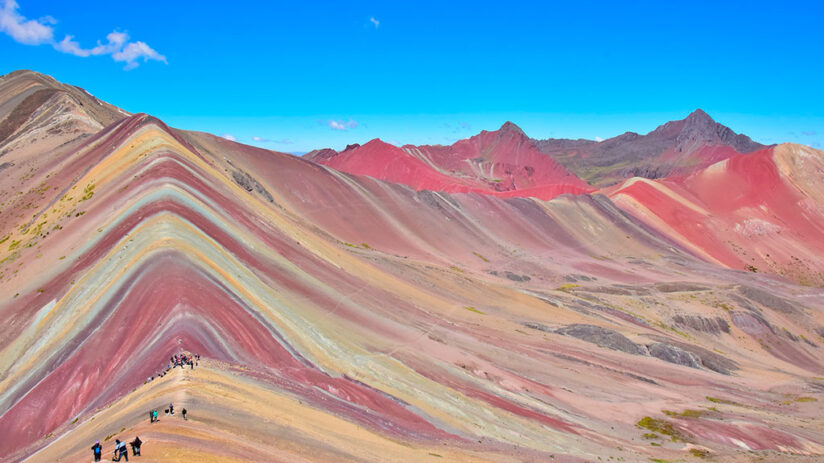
(676, 147)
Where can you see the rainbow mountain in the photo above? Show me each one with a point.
(525, 300)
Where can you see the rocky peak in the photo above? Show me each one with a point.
(700, 127)
(509, 127)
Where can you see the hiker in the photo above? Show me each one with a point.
(97, 449)
(153, 415)
(136, 446)
(184, 414)
(123, 451)
(171, 409)
(120, 451)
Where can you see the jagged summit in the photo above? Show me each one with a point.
(679, 146)
(509, 127)
(700, 128)
(699, 114)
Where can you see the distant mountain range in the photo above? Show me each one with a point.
(507, 161)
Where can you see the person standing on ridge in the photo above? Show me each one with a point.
(184, 414)
(97, 449)
(171, 409)
(136, 443)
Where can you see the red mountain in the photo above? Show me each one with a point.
(504, 163)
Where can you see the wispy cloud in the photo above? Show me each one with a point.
(133, 51)
(375, 22)
(599, 139)
(340, 124)
(809, 133)
(282, 141)
(40, 31)
(229, 137)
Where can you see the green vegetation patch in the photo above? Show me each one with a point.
(662, 427)
(686, 413)
(567, 287)
(716, 400)
(473, 309)
(480, 256)
(699, 453)
(88, 192)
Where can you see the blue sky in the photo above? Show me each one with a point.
(294, 76)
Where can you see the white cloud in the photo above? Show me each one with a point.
(229, 137)
(37, 32)
(133, 51)
(25, 31)
(599, 139)
(342, 125)
(283, 141)
(375, 22)
(115, 43)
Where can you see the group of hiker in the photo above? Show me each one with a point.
(177, 360)
(182, 360)
(170, 411)
(119, 449)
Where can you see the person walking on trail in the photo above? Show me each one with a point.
(97, 450)
(184, 414)
(154, 415)
(123, 451)
(120, 451)
(171, 409)
(136, 443)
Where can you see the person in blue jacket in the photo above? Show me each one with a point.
(97, 450)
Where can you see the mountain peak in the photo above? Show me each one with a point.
(509, 127)
(699, 115)
(701, 121)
